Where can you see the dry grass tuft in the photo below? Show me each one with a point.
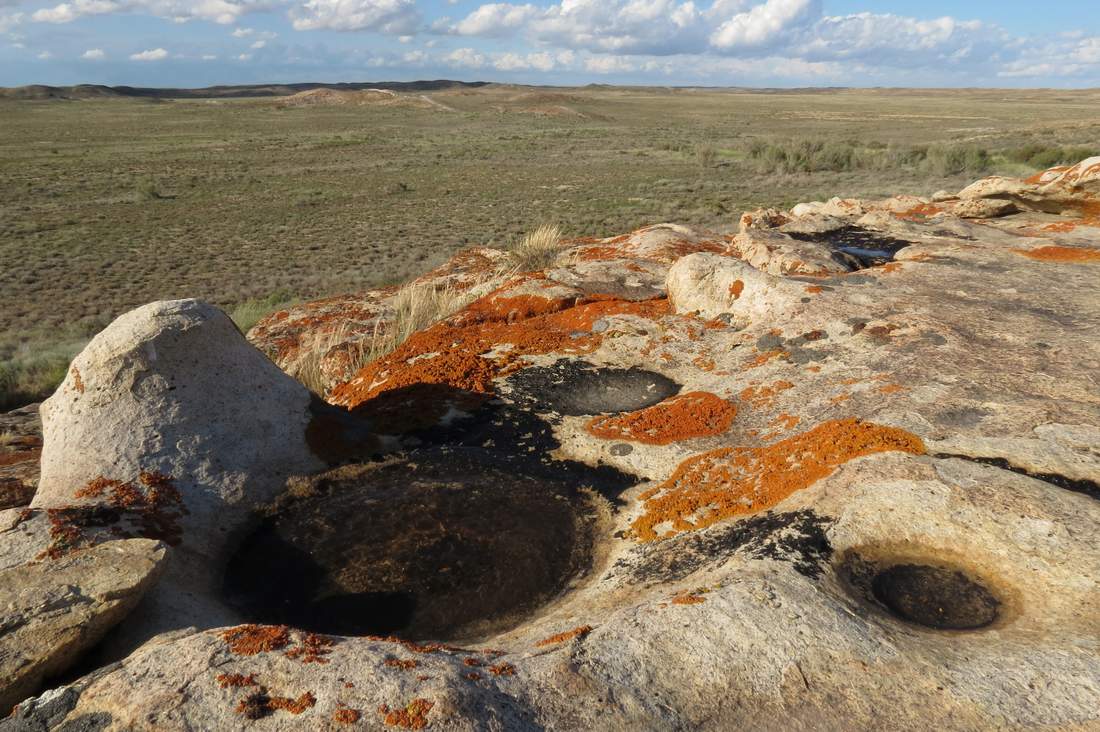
(416, 306)
(538, 250)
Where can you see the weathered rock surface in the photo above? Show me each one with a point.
(858, 498)
(52, 615)
(20, 452)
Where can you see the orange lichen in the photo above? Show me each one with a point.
(78, 382)
(766, 356)
(346, 716)
(1064, 255)
(227, 681)
(919, 212)
(781, 424)
(568, 635)
(840, 398)
(890, 388)
(312, 649)
(469, 350)
(14, 458)
(736, 289)
(815, 289)
(294, 706)
(404, 664)
(258, 705)
(704, 364)
(719, 484)
(762, 397)
(682, 417)
(473, 676)
(413, 716)
(503, 669)
(249, 640)
(688, 599)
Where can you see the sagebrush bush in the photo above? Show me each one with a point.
(815, 156)
(1041, 156)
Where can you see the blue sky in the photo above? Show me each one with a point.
(686, 42)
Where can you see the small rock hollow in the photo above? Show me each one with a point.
(865, 248)
(446, 545)
(935, 597)
(577, 388)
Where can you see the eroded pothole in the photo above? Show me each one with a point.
(446, 545)
(576, 388)
(935, 597)
(867, 248)
(928, 593)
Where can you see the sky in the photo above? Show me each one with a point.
(776, 43)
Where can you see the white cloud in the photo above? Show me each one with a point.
(465, 58)
(94, 54)
(764, 24)
(258, 44)
(496, 19)
(9, 21)
(544, 62)
(396, 17)
(45, 55)
(609, 65)
(156, 54)
(218, 11)
(245, 57)
(209, 57)
(243, 32)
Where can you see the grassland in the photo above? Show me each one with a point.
(106, 204)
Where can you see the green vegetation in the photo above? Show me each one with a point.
(1041, 157)
(28, 374)
(108, 204)
(253, 310)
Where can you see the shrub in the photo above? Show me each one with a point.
(706, 155)
(1041, 156)
(812, 156)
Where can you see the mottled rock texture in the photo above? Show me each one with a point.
(838, 471)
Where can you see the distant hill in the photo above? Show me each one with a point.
(95, 91)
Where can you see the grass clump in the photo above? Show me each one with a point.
(246, 314)
(28, 376)
(538, 250)
(416, 306)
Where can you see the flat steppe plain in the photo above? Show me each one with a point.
(109, 203)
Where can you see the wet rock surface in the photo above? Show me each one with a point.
(676, 481)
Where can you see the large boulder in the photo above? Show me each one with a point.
(170, 426)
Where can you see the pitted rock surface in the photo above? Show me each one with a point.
(866, 506)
